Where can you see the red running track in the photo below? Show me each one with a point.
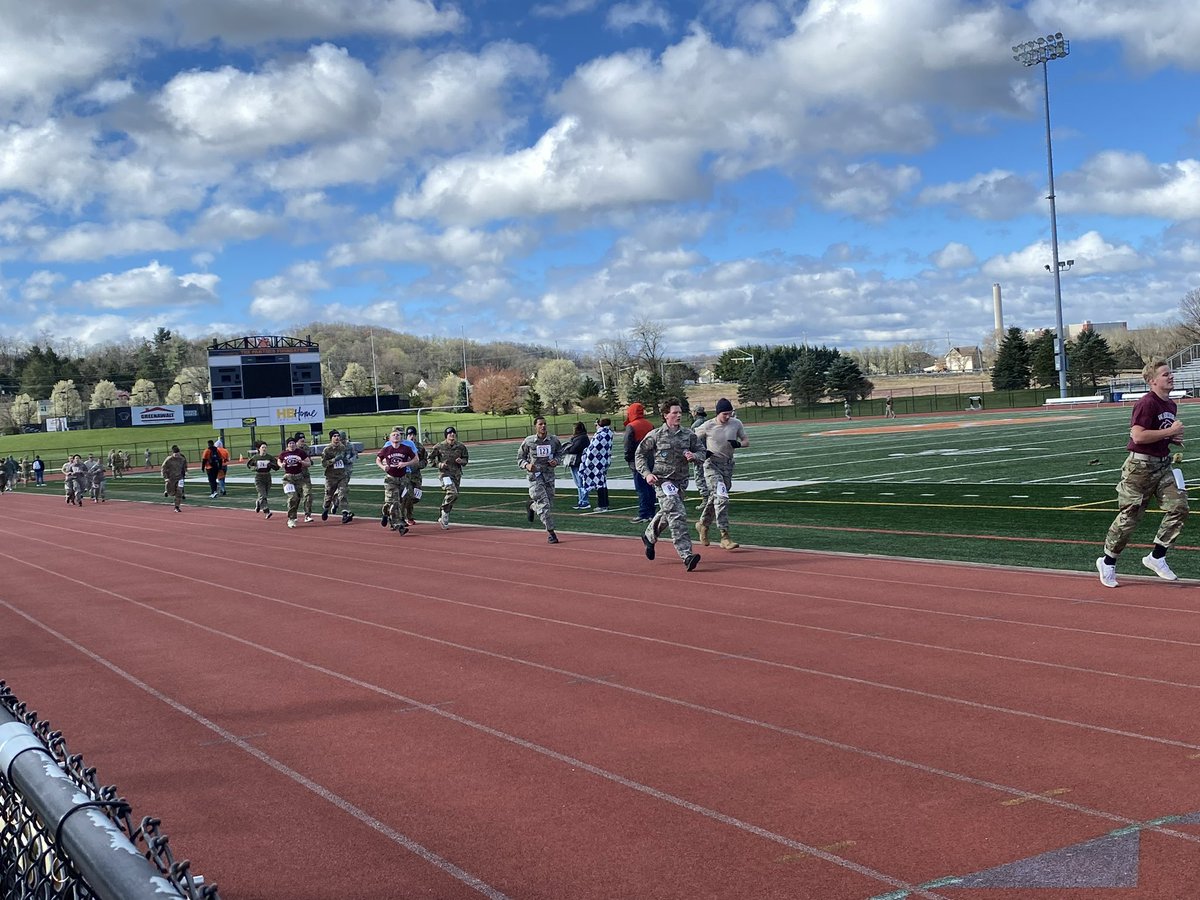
(341, 712)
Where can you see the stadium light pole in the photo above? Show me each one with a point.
(1033, 53)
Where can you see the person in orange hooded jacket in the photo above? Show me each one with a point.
(637, 426)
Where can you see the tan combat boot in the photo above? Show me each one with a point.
(702, 530)
(728, 543)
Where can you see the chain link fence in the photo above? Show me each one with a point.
(64, 836)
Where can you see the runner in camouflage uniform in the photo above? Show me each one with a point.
(337, 477)
(663, 458)
(538, 455)
(262, 464)
(449, 456)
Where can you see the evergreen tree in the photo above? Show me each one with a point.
(1041, 360)
(1011, 370)
(461, 401)
(1090, 359)
(845, 381)
(754, 387)
(588, 387)
(806, 381)
(612, 402)
(533, 403)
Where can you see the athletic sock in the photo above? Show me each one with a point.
(1110, 560)
(1159, 551)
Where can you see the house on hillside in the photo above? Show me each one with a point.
(964, 359)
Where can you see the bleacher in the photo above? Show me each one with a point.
(1186, 366)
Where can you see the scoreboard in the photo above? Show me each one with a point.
(265, 380)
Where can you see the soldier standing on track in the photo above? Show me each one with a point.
(449, 456)
(663, 459)
(333, 461)
(262, 463)
(721, 435)
(1147, 474)
(394, 459)
(538, 455)
(174, 470)
(295, 462)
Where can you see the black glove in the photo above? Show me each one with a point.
(735, 444)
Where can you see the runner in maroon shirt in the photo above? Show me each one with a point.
(1147, 475)
(295, 463)
(394, 461)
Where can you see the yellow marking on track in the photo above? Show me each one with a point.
(1086, 505)
(1053, 792)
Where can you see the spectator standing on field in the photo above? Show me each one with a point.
(174, 470)
(597, 457)
(449, 456)
(39, 471)
(572, 457)
(637, 426)
(889, 408)
(1147, 474)
(721, 436)
(664, 459)
(538, 455)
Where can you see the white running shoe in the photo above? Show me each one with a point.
(291, 523)
(1108, 574)
(1159, 567)
(308, 518)
(444, 521)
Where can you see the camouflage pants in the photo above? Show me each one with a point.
(718, 472)
(175, 490)
(304, 487)
(337, 482)
(541, 495)
(449, 492)
(671, 514)
(1142, 480)
(702, 482)
(412, 498)
(263, 487)
(293, 498)
(394, 490)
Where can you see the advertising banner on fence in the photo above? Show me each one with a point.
(157, 415)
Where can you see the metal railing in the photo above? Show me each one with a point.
(63, 836)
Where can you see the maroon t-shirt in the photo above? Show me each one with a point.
(396, 458)
(1154, 414)
(293, 461)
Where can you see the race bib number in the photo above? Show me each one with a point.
(1179, 482)
(289, 488)
(339, 464)
(264, 464)
(722, 491)
(543, 451)
(669, 489)
(416, 493)
(447, 481)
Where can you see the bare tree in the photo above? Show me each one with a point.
(1189, 311)
(649, 342)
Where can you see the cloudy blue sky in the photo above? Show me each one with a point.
(850, 172)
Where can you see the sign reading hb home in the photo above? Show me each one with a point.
(265, 380)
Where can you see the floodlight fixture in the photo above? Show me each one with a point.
(1034, 53)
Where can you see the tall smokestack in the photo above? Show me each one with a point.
(996, 307)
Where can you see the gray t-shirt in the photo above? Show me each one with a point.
(716, 436)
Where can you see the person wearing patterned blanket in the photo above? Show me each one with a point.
(593, 465)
